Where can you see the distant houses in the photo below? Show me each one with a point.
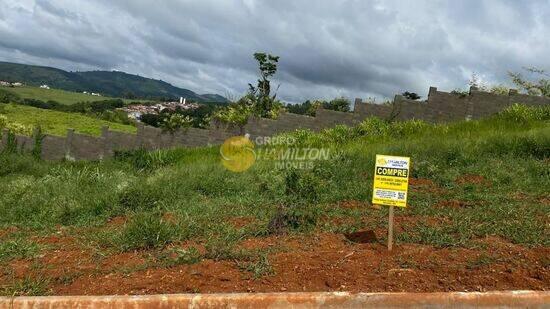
(8, 84)
(92, 93)
(135, 111)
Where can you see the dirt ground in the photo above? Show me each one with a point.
(318, 262)
(355, 262)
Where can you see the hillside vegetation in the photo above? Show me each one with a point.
(21, 119)
(107, 83)
(57, 95)
(470, 181)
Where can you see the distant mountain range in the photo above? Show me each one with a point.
(108, 83)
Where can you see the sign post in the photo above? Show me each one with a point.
(391, 183)
(390, 229)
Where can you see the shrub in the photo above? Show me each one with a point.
(140, 196)
(176, 122)
(298, 210)
(519, 113)
(409, 128)
(338, 104)
(144, 160)
(146, 231)
(236, 113)
(8, 96)
(338, 134)
(373, 126)
(178, 256)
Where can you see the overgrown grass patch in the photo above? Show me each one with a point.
(201, 196)
(28, 286)
(17, 248)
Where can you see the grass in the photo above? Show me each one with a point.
(17, 248)
(27, 286)
(61, 96)
(57, 123)
(192, 185)
(146, 231)
(179, 195)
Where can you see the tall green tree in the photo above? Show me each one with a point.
(264, 103)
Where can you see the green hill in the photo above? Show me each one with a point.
(61, 96)
(107, 83)
(22, 119)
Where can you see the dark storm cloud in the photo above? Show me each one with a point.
(327, 48)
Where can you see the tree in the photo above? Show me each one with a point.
(267, 65)
(129, 95)
(539, 87)
(338, 104)
(175, 122)
(411, 95)
(258, 100)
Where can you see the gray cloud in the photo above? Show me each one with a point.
(331, 48)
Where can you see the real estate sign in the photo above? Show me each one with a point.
(391, 181)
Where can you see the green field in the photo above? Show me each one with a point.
(60, 96)
(57, 123)
(478, 200)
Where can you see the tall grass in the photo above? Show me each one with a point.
(190, 186)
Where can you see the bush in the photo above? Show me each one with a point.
(373, 126)
(43, 105)
(522, 113)
(179, 256)
(175, 122)
(146, 231)
(409, 128)
(8, 97)
(144, 160)
(338, 134)
(298, 211)
(339, 104)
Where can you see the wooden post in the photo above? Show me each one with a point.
(390, 229)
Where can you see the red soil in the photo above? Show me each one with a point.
(472, 179)
(354, 204)
(424, 185)
(452, 204)
(318, 262)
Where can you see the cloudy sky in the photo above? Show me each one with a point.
(352, 48)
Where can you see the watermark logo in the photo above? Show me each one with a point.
(237, 153)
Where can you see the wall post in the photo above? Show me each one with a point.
(105, 137)
(69, 145)
(139, 135)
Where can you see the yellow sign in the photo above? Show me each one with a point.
(391, 181)
(237, 153)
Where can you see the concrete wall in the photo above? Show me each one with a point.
(439, 107)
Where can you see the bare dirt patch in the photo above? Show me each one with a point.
(353, 204)
(362, 237)
(544, 200)
(241, 222)
(453, 204)
(424, 185)
(315, 262)
(473, 179)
